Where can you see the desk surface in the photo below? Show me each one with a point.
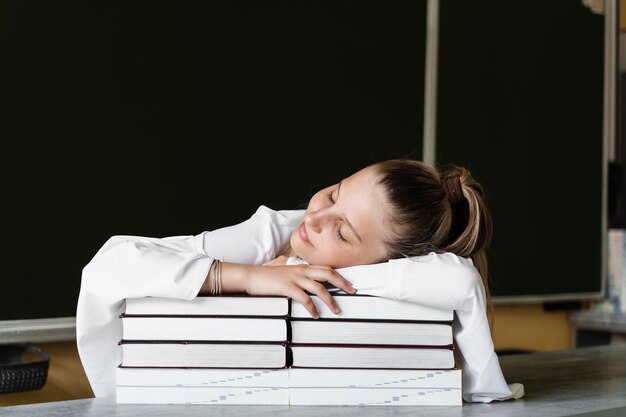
(582, 381)
(589, 319)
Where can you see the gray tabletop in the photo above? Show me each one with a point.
(589, 382)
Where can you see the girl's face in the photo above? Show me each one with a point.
(344, 224)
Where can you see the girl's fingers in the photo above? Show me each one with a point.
(331, 276)
(318, 289)
(304, 299)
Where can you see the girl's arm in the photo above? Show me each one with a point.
(436, 280)
(173, 267)
(298, 282)
(450, 282)
(129, 267)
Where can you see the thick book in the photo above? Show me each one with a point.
(204, 355)
(290, 386)
(372, 357)
(202, 386)
(209, 305)
(194, 328)
(355, 306)
(373, 387)
(370, 332)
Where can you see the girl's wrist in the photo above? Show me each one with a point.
(234, 277)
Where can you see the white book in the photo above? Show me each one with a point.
(374, 378)
(202, 386)
(207, 305)
(369, 397)
(349, 356)
(207, 377)
(371, 307)
(202, 395)
(204, 355)
(185, 328)
(322, 331)
(366, 387)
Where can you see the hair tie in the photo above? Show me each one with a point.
(452, 187)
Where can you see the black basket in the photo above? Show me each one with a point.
(17, 374)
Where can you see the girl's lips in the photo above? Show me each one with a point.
(302, 233)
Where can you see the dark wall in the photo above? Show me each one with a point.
(520, 104)
(165, 118)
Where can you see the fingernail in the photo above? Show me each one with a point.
(316, 316)
(337, 310)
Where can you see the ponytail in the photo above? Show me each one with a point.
(472, 223)
(472, 229)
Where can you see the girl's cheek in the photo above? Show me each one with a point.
(314, 203)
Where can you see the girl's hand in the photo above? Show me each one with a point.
(293, 281)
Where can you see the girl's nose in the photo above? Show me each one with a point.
(315, 220)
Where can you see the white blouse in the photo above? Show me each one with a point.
(176, 267)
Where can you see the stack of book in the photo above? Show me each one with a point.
(211, 350)
(378, 351)
(614, 301)
(239, 349)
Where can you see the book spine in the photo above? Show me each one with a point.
(289, 331)
(289, 356)
(199, 342)
(205, 316)
(377, 346)
(370, 320)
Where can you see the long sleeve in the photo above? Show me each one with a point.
(451, 282)
(174, 267)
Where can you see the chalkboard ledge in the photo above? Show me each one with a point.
(38, 330)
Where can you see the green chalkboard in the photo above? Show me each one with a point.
(162, 118)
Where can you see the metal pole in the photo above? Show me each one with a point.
(430, 82)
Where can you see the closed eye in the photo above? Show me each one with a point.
(340, 235)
